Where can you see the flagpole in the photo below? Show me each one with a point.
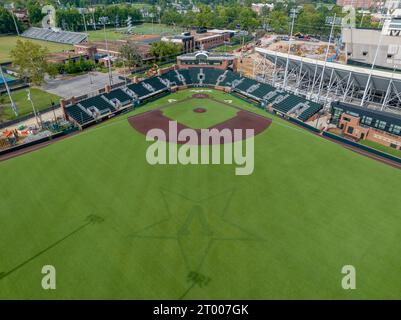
(13, 105)
(33, 106)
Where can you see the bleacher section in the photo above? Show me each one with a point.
(312, 110)
(185, 76)
(280, 100)
(118, 95)
(99, 103)
(65, 37)
(288, 103)
(78, 114)
(155, 83)
(227, 78)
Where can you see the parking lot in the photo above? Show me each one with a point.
(78, 85)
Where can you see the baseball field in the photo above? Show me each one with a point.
(114, 226)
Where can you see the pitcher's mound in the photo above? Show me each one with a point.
(200, 110)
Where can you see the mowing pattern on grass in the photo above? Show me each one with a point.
(198, 232)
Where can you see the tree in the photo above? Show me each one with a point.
(130, 53)
(205, 17)
(35, 12)
(7, 23)
(163, 50)
(30, 61)
(279, 21)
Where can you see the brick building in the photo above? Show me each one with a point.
(367, 124)
(359, 4)
(206, 59)
(98, 49)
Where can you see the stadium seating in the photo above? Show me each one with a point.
(312, 110)
(66, 37)
(99, 103)
(245, 84)
(227, 79)
(212, 75)
(263, 90)
(155, 83)
(184, 76)
(118, 95)
(281, 100)
(139, 90)
(288, 103)
(78, 114)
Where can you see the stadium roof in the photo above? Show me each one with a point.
(52, 35)
(206, 54)
(380, 79)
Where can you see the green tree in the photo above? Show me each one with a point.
(205, 17)
(278, 21)
(131, 54)
(35, 12)
(7, 23)
(30, 61)
(164, 50)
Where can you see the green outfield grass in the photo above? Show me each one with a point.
(41, 100)
(310, 207)
(375, 145)
(7, 43)
(144, 28)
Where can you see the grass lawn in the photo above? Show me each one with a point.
(41, 100)
(228, 48)
(7, 43)
(380, 147)
(215, 113)
(144, 28)
(114, 226)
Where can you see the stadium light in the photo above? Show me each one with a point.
(103, 20)
(293, 14)
(332, 22)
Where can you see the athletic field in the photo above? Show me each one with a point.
(115, 226)
(7, 43)
(143, 28)
(41, 100)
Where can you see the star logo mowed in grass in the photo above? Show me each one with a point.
(196, 225)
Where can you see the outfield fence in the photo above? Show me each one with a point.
(39, 141)
(361, 146)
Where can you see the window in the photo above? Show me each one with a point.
(346, 119)
(382, 125)
(389, 56)
(367, 120)
(350, 130)
(392, 145)
(364, 53)
(397, 129)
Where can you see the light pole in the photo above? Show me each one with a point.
(104, 20)
(33, 106)
(326, 56)
(293, 15)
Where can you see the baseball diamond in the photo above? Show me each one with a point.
(115, 227)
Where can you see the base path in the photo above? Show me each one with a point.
(235, 128)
